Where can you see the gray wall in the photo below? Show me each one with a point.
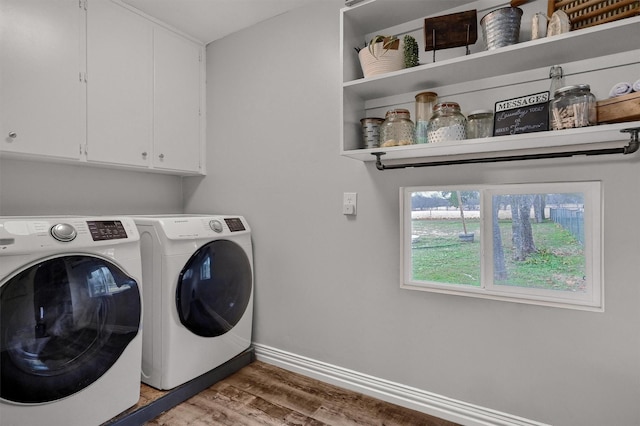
(30, 188)
(327, 285)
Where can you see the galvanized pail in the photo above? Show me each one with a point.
(501, 27)
(371, 132)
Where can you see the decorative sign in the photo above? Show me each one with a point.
(453, 30)
(526, 114)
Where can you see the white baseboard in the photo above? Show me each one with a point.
(405, 396)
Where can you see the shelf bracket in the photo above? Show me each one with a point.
(634, 144)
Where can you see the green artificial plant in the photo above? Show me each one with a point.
(410, 52)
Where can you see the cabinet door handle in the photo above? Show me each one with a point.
(144, 154)
(13, 135)
(161, 156)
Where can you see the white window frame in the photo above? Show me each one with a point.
(593, 297)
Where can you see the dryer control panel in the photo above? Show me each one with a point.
(183, 227)
(234, 224)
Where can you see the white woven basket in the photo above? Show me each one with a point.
(383, 61)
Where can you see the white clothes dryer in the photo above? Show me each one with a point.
(70, 319)
(197, 275)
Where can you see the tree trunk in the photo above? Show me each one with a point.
(523, 244)
(464, 224)
(499, 266)
(515, 221)
(539, 205)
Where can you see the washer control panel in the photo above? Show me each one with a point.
(19, 235)
(106, 230)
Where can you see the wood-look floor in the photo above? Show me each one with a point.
(262, 394)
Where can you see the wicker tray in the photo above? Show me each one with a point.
(587, 13)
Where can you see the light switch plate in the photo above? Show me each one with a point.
(349, 203)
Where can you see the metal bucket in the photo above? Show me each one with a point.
(501, 27)
(371, 132)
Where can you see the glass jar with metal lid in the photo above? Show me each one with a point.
(480, 124)
(424, 108)
(397, 129)
(573, 106)
(447, 123)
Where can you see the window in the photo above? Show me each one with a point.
(527, 243)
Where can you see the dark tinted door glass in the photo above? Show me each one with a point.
(214, 288)
(65, 322)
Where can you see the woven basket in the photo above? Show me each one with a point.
(587, 13)
(382, 61)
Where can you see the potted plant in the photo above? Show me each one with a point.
(382, 54)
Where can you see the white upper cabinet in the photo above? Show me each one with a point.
(177, 101)
(98, 82)
(42, 99)
(119, 85)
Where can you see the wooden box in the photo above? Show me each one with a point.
(619, 109)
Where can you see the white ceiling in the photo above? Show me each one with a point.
(209, 20)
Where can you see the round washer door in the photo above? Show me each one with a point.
(65, 321)
(214, 288)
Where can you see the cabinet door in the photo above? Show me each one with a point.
(177, 91)
(119, 86)
(41, 105)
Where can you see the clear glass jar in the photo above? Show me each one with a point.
(397, 129)
(480, 124)
(447, 123)
(424, 108)
(573, 106)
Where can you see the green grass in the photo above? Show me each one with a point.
(558, 263)
(439, 256)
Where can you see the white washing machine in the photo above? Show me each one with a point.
(197, 274)
(70, 316)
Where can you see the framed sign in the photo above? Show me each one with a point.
(525, 114)
(453, 30)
